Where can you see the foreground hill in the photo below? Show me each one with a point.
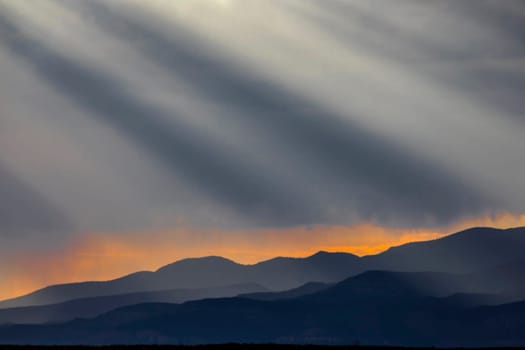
(376, 307)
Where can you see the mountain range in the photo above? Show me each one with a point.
(435, 293)
(377, 307)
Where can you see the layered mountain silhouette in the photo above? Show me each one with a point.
(94, 306)
(467, 251)
(387, 308)
(492, 286)
(275, 274)
(467, 289)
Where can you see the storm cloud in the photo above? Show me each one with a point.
(261, 113)
(25, 211)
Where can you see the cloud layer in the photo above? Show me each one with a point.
(143, 115)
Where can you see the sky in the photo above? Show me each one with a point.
(134, 132)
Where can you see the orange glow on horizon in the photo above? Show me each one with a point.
(108, 255)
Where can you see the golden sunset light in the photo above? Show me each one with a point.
(108, 255)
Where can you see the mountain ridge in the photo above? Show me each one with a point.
(94, 306)
(341, 314)
(452, 253)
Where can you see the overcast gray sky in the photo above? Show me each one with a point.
(133, 115)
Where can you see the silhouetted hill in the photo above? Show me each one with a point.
(207, 272)
(372, 308)
(91, 307)
(375, 285)
(478, 299)
(508, 278)
(308, 288)
(467, 251)
(286, 273)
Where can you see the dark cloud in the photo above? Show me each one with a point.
(380, 176)
(330, 169)
(418, 31)
(23, 210)
(375, 178)
(480, 63)
(183, 150)
(499, 85)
